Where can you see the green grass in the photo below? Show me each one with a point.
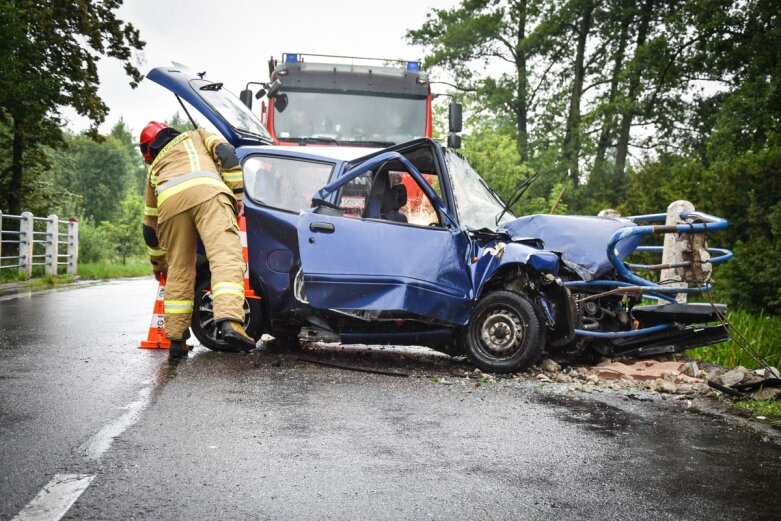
(11, 275)
(762, 333)
(103, 270)
(48, 280)
(771, 409)
(89, 271)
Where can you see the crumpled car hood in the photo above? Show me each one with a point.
(581, 240)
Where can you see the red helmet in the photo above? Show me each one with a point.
(147, 136)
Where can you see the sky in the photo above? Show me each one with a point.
(232, 41)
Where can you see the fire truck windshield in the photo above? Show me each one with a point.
(350, 119)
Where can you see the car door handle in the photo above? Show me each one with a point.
(321, 227)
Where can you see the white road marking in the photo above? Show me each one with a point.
(99, 443)
(56, 498)
(63, 490)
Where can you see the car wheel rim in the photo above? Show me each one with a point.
(206, 315)
(502, 332)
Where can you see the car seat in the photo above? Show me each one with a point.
(393, 200)
(375, 201)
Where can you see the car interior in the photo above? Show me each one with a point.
(390, 193)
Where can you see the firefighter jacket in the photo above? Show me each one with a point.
(191, 168)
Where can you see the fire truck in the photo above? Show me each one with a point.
(347, 101)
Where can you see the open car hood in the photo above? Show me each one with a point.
(223, 110)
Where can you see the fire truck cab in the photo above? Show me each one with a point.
(345, 102)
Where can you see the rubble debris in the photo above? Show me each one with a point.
(641, 370)
(732, 377)
(681, 379)
(767, 393)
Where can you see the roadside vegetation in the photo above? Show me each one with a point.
(758, 332)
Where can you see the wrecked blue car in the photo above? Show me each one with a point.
(408, 245)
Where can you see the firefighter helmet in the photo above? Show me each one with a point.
(148, 135)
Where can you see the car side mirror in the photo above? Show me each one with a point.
(453, 140)
(246, 97)
(280, 102)
(454, 117)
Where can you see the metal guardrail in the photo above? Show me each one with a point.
(686, 260)
(42, 241)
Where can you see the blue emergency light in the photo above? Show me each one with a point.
(291, 58)
(413, 66)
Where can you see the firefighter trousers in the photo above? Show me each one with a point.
(214, 220)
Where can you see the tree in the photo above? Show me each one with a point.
(512, 34)
(571, 144)
(134, 162)
(100, 173)
(50, 52)
(123, 231)
(493, 154)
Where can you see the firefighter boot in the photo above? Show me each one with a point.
(233, 333)
(178, 349)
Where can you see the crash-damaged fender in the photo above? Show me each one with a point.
(497, 255)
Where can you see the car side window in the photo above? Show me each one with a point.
(284, 183)
(413, 205)
(354, 195)
(389, 195)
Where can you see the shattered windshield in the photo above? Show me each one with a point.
(347, 119)
(477, 205)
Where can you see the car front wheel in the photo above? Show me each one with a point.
(504, 333)
(206, 329)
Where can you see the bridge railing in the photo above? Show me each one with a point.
(38, 241)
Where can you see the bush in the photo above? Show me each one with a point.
(94, 243)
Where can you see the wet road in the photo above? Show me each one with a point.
(274, 436)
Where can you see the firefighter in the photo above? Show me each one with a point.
(194, 189)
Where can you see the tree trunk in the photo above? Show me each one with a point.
(571, 144)
(606, 132)
(522, 102)
(14, 196)
(628, 114)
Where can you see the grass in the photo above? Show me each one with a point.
(762, 334)
(770, 409)
(103, 270)
(89, 271)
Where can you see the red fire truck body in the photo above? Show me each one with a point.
(346, 104)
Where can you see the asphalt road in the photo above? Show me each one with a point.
(93, 428)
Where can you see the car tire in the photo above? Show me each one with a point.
(205, 329)
(504, 333)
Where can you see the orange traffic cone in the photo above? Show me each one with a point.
(157, 338)
(248, 291)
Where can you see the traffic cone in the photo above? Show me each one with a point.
(248, 291)
(157, 338)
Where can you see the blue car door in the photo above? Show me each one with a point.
(360, 258)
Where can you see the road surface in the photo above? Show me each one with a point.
(93, 428)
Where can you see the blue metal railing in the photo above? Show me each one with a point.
(631, 282)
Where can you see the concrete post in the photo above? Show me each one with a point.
(675, 247)
(52, 244)
(1, 236)
(73, 246)
(26, 239)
